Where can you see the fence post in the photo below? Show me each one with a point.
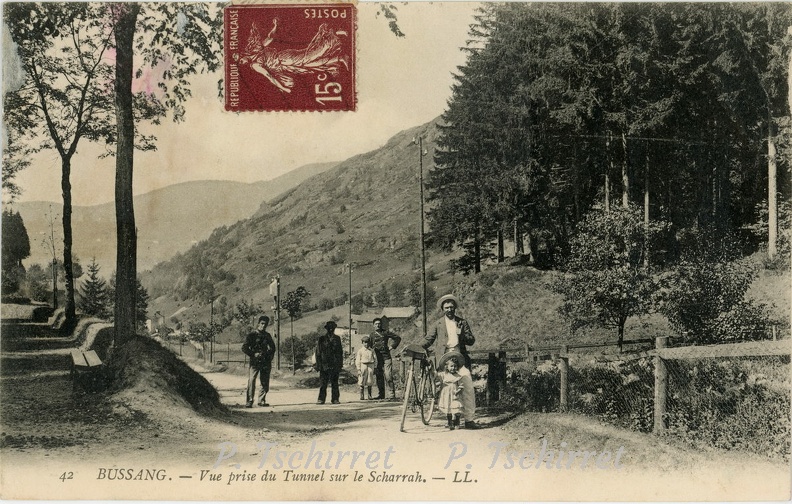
(502, 365)
(661, 384)
(492, 379)
(563, 366)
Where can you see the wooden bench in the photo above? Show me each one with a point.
(86, 371)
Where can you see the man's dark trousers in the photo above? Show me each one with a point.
(331, 377)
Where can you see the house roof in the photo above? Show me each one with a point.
(398, 311)
(391, 312)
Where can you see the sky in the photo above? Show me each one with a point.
(402, 82)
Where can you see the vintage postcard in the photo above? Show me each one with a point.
(415, 251)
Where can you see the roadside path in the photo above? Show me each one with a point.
(71, 434)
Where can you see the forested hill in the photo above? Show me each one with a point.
(364, 211)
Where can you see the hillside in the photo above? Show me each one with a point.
(363, 211)
(169, 220)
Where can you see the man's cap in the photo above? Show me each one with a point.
(330, 324)
(365, 338)
(378, 319)
(447, 297)
(263, 318)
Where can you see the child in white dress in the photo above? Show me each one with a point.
(449, 402)
(366, 362)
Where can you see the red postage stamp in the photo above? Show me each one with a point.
(298, 57)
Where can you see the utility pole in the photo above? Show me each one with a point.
(211, 326)
(275, 293)
(421, 154)
(350, 307)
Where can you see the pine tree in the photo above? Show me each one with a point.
(141, 304)
(16, 247)
(94, 301)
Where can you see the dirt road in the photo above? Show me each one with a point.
(56, 444)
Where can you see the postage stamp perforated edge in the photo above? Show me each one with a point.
(352, 105)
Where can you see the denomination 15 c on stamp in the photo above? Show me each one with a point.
(297, 57)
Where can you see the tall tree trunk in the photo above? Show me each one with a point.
(608, 168)
(501, 253)
(126, 254)
(646, 210)
(68, 266)
(519, 248)
(531, 252)
(54, 283)
(576, 182)
(477, 251)
(625, 174)
(716, 175)
(772, 190)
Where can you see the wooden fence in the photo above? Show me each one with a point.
(498, 359)
(661, 354)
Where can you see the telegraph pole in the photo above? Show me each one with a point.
(350, 307)
(421, 154)
(275, 293)
(211, 326)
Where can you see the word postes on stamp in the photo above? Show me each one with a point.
(290, 57)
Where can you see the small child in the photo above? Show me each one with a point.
(366, 362)
(449, 402)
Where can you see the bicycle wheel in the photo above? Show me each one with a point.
(429, 393)
(407, 391)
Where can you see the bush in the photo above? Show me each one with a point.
(728, 404)
(746, 321)
(621, 393)
(294, 346)
(697, 295)
(742, 405)
(535, 390)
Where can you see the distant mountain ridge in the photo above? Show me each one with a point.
(169, 220)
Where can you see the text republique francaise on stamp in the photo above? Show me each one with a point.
(298, 57)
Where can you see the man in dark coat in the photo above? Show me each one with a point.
(453, 334)
(383, 341)
(260, 347)
(329, 362)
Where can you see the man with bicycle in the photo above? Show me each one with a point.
(453, 334)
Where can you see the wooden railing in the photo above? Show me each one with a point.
(497, 360)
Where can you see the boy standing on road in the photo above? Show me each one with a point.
(366, 362)
(260, 347)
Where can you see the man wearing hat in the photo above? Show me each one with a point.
(453, 334)
(329, 362)
(383, 342)
(260, 347)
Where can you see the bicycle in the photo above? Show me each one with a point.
(420, 388)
